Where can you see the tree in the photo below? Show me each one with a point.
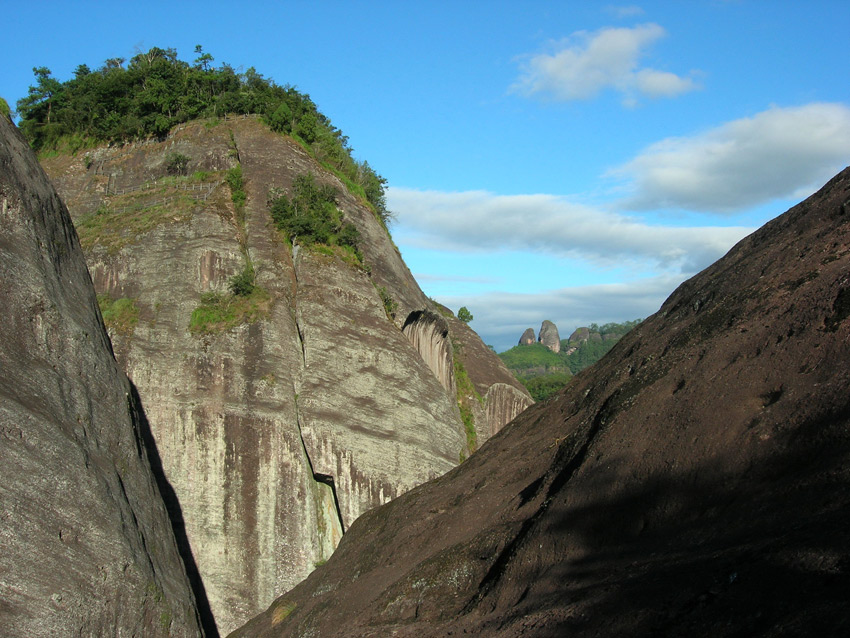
(464, 315)
(204, 59)
(42, 93)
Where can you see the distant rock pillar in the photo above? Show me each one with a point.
(527, 337)
(549, 336)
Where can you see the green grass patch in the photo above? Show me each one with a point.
(119, 315)
(465, 392)
(128, 219)
(221, 312)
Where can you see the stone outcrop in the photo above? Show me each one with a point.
(429, 334)
(276, 433)
(527, 337)
(549, 336)
(694, 482)
(579, 335)
(86, 546)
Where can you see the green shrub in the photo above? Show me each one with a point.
(390, 304)
(242, 285)
(237, 186)
(221, 312)
(310, 216)
(119, 315)
(176, 163)
(465, 391)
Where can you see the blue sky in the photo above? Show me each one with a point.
(570, 161)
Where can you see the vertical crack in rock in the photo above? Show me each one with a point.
(328, 513)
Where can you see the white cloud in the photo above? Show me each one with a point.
(778, 153)
(481, 221)
(500, 318)
(586, 63)
(629, 11)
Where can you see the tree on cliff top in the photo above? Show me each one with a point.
(156, 91)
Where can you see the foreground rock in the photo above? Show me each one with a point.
(86, 547)
(336, 394)
(695, 482)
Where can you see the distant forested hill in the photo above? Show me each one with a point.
(544, 372)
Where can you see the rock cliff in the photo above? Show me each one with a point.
(527, 337)
(694, 482)
(86, 546)
(549, 336)
(331, 388)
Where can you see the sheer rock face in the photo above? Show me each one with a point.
(549, 336)
(275, 434)
(695, 481)
(428, 332)
(86, 546)
(527, 337)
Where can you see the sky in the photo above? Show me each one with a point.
(569, 161)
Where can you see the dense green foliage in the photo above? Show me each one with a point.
(155, 91)
(464, 315)
(542, 387)
(5, 111)
(309, 215)
(535, 355)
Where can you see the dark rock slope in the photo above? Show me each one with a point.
(86, 547)
(695, 482)
(337, 394)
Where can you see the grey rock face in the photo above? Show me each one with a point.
(86, 547)
(579, 335)
(429, 334)
(275, 434)
(527, 337)
(549, 336)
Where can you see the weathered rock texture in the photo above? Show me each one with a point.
(275, 434)
(527, 337)
(549, 336)
(694, 482)
(86, 546)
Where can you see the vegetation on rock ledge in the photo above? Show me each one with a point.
(119, 315)
(309, 216)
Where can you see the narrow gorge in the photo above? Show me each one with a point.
(332, 391)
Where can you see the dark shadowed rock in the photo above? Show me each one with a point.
(527, 337)
(86, 547)
(549, 336)
(694, 482)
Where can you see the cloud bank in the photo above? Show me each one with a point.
(482, 221)
(778, 153)
(586, 63)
